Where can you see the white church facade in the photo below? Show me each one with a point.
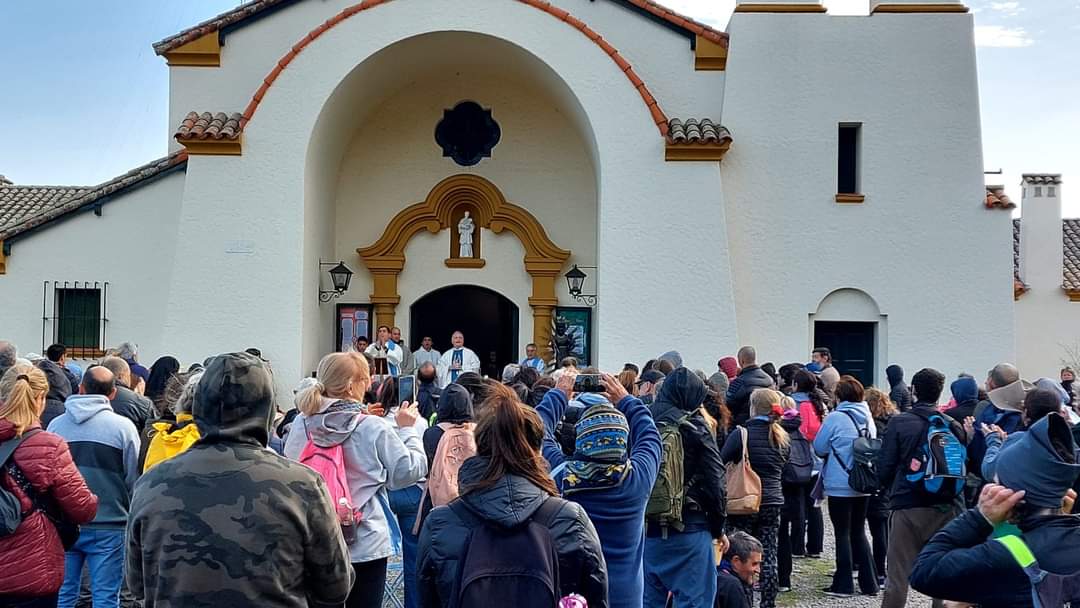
(797, 180)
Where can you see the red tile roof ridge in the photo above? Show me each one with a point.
(659, 118)
(254, 7)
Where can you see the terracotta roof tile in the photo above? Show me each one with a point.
(197, 126)
(254, 8)
(25, 207)
(997, 199)
(1070, 237)
(1042, 178)
(694, 131)
(1070, 234)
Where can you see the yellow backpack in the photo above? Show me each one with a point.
(168, 441)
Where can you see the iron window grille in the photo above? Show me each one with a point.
(75, 314)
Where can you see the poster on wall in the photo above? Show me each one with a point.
(352, 320)
(572, 335)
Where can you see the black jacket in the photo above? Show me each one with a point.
(738, 393)
(133, 406)
(961, 563)
(59, 390)
(507, 504)
(731, 591)
(427, 398)
(963, 410)
(706, 493)
(904, 436)
(766, 459)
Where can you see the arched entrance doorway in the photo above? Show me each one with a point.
(487, 318)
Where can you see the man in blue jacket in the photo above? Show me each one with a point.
(963, 563)
(1004, 409)
(611, 474)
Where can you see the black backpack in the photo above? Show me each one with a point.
(800, 466)
(11, 513)
(516, 567)
(862, 476)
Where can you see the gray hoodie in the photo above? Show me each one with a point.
(105, 447)
(377, 459)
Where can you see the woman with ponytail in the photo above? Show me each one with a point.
(768, 449)
(378, 458)
(505, 487)
(34, 462)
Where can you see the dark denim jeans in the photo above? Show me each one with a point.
(405, 504)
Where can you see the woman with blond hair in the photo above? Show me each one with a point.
(377, 458)
(768, 448)
(35, 465)
(507, 487)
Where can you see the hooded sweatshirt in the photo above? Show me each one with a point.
(834, 441)
(965, 392)
(377, 459)
(705, 507)
(617, 512)
(899, 393)
(229, 522)
(60, 389)
(105, 448)
(1043, 464)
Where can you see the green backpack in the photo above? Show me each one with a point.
(665, 506)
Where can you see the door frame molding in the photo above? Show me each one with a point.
(544, 260)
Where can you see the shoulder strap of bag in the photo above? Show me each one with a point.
(7, 448)
(545, 515)
(863, 432)
(745, 436)
(1019, 550)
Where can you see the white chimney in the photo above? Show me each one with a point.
(1040, 232)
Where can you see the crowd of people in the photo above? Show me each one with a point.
(549, 484)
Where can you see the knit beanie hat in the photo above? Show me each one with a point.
(730, 367)
(602, 435)
(1042, 462)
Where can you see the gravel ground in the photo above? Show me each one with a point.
(811, 575)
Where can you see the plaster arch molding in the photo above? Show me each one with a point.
(848, 304)
(385, 259)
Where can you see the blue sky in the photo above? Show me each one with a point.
(84, 98)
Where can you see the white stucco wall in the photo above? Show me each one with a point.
(131, 246)
(662, 57)
(1047, 323)
(664, 221)
(921, 245)
(542, 162)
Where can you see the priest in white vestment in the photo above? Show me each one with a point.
(384, 348)
(456, 361)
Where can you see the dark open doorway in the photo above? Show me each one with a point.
(852, 346)
(488, 320)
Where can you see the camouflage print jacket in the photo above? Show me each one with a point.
(230, 523)
(235, 525)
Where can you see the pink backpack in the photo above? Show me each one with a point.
(455, 446)
(329, 463)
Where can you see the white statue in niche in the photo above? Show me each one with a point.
(465, 230)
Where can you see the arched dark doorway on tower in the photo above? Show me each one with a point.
(487, 318)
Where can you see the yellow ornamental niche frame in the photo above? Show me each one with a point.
(544, 261)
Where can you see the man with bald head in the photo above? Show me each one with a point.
(105, 447)
(750, 378)
(126, 402)
(457, 360)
